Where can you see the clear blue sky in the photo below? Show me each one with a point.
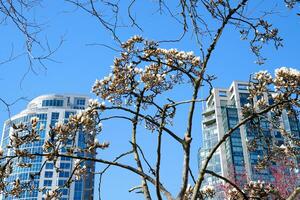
(79, 65)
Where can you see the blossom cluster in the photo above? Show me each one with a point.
(144, 67)
(287, 79)
(207, 192)
(23, 133)
(259, 189)
(285, 92)
(233, 194)
(253, 190)
(85, 121)
(80, 169)
(52, 194)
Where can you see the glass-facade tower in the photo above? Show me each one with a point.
(233, 159)
(50, 109)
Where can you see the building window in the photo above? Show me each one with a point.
(65, 165)
(54, 118)
(42, 117)
(47, 183)
(65, 158)
(53, 102)
(79, 101)
(61, 182)
(64, 174)
(48, 174)
(242, 86)
(49, 165)
(222, 93)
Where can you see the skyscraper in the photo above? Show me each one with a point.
(50, 109)
(233, 159)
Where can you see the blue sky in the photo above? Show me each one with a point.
(79, 65)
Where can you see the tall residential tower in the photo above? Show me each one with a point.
(50, 109)
(233, 159)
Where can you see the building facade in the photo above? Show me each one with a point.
(233, 159)
(50, 109)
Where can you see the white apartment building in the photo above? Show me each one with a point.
(50, 109)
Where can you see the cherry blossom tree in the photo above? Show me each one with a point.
(134, 91)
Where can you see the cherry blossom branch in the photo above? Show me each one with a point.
(135, 151)
(144, 158)
(115, 117)
(158, 152)
(187, 141)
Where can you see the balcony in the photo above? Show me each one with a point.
(208, 120)
(208, 111)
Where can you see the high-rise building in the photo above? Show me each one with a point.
(233, 159)
(50, 109)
